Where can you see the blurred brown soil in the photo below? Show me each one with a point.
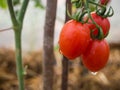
(79, 78)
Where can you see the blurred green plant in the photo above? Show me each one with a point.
(17, 24)
(37, 3)
(16, 2)
(91, 6)
(56, 47)
(3, 4)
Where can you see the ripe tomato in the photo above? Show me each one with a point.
(96, 55)
(74, 39)
(102, 22)
(104, 2)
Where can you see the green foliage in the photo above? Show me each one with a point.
(16, 2)
(56, 47)
(38, 3)
(93, 7)
(3, 4)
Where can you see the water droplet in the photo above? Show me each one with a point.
(60, 51)
(94, 73)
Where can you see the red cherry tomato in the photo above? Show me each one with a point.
(104, 2)
(74, 38)
(102, 22)
(96, 55)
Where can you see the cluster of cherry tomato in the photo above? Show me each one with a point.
(75, 41)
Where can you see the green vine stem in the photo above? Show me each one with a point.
(20, 71)
(17, 27)
(103, 10)
(21, 14)
(83, 8)
(100, 32)
(12, 13)
(96, 4)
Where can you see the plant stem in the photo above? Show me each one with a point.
(64, 84)
(96, 4)
(100, 32)
(17, 31)
(17, 26)
(21, 14)
(87, 7)
(19, 59)
(65, 66)
(12, 13)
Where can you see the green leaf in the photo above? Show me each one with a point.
(3, 4)
(38, 3)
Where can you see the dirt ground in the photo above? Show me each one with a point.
(79, 78)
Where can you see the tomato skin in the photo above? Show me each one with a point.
(96, 55)
(104, 2)
(74, 39)
(102, 22)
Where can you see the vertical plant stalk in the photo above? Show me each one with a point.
(17, 26)
(64, 85)
(48, 45)
(20, 71)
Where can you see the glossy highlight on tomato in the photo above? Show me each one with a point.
(96, 55)
(74, 39)
(102, 22)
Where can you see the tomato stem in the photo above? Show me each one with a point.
(110, 13)
(100, 32)
(96, 4)
(17, 27)
(12, 13)
(20, 71)
(81, 9)
(22, 11)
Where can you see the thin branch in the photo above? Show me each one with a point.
(12, 13)
(21, 14)
(6, 29)
(64, 85)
